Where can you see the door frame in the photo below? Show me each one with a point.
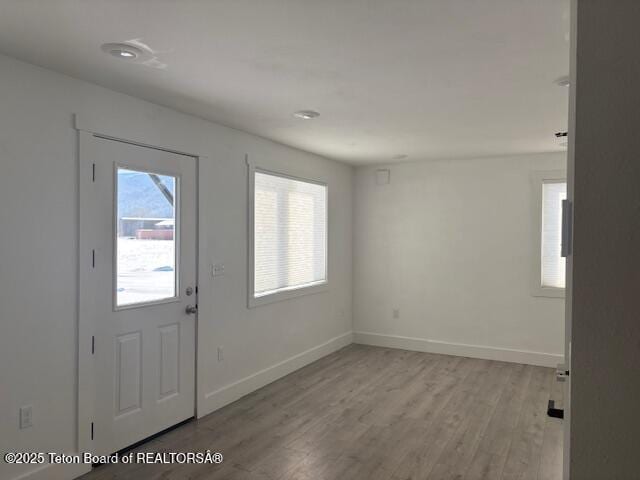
(86, 386)
(568, 316)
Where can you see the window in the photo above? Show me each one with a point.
(289, 241)
(551, 266)
(145, 237)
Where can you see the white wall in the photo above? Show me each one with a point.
(451, 245)
(38, 256)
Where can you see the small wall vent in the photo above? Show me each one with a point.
(383, 176)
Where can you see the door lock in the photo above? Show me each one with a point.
(191, 309)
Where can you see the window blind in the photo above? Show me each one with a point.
(290, 234)
(553, 264)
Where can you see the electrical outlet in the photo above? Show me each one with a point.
(26, 416)
(396, 313)
(220, 354)
(217, 269)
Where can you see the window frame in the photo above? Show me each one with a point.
(538, 179)
(317, 287)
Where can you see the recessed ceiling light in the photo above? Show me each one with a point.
(306, 114)
(563, 81)
(399, 157)
(122, 50)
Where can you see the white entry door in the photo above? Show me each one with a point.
(138, 216)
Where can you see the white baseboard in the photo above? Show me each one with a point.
(458, 349)
(230, 393)
(56, 472)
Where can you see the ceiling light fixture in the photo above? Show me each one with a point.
(122, 50)
(306, 114)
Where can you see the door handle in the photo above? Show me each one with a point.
(191, 309)
(566, 232)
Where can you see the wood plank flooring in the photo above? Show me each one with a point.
(376, 414)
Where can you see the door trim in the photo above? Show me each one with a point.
(86, 386)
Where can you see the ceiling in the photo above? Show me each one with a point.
(424, 78)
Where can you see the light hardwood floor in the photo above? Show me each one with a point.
(376, 414)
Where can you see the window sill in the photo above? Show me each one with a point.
(287, 294)
(548, 292)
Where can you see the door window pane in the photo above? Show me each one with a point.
(145, 237)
